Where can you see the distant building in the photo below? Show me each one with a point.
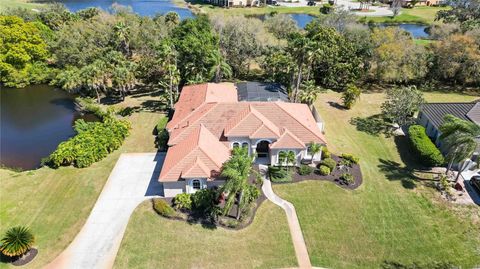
(234, 3)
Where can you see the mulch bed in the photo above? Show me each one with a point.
(28, 257)
(334, 176)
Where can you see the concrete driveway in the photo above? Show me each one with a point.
(132, 180)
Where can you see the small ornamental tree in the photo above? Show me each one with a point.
(401, 104)
(350, 96)
(17, 241)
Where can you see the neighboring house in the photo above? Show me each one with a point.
(431, 116)
(234, 3)
(209, 121)
(409, 3)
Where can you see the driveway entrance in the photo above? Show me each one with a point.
(133, 180)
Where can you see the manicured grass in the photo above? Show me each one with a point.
(200, 7)
(423, 15)
(4, 4)
(152, 241)
(423, 42)
(55, 203)
(389, 217)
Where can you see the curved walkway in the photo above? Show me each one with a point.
(132, 180)
(295, 230)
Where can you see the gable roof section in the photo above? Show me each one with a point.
(435, 112)
(474, 113)
(200, 153)
(288, 141)
(251, 123)
(193, 96)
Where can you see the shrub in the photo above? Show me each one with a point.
(350, 157)
(422, 145)
(350, 96)
(330, 163)
(93, 142)
(279, 174)
(204, 200)
(163, 208)
(325, 153)
(182, 201)
(346, 162)
(305, 170)
(162, 134)
(327, 9)
(324, 170)
(17, 241)
(347, 178)
(253, 193)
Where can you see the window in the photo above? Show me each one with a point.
(236, 145)
(245, 145)
(196, 184)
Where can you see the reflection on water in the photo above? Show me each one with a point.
(33, 121)
(144, 8)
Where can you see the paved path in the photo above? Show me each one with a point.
(295, 230)
(132, 180)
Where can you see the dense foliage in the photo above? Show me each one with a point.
(305, 170)
(330, 163)
(278, 174)
(324, 170)
(93, 142)
(163, 208)
(401, 104)
(17, 241)
(23, 52)
(422, 145)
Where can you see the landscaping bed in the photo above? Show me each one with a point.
(334, 176)
(339, 170)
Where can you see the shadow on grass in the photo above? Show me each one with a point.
(372, 125)
(336, 105)
(395, 171)
(154, 106)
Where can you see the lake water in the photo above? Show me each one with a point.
(141, 7)
(301, 19)
(416, 30)
(33, 121)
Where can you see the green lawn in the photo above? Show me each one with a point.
(56, 202)
(424, 15)
(4, 4)
(388, 217)
(152, 241)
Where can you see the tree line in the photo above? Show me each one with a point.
(118, 52)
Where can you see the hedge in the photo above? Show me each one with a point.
(94, 141)
(425, 149)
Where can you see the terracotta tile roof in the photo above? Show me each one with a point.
(288, 141)
(198, 133)
(193, 96)
(251, 123)
(200, 151)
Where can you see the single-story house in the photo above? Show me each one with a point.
(431, 116)
(234, 3)
(209, 121)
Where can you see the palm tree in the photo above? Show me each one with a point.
(122, 32)
(459, 137)
(309, 92)
(220, 68)
(17, 241)
(291, 158)
(315, 148)
(237, 170)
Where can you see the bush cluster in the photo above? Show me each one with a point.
(94, 141)
(305, 170)
(330, 163)
(422, 145)
(163, 208)
(162, 134)
(279, 174)
(347, 178)
(324, 170)
(182, 201)
(350, 158)
(325, 153)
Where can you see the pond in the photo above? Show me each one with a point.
(141, 7)
(33, 121)
(416, 30)
(301, 19)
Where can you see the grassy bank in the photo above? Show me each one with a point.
(422, 15)
(390, 217)
(152, 241)
(56, 202)
(5, 4)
